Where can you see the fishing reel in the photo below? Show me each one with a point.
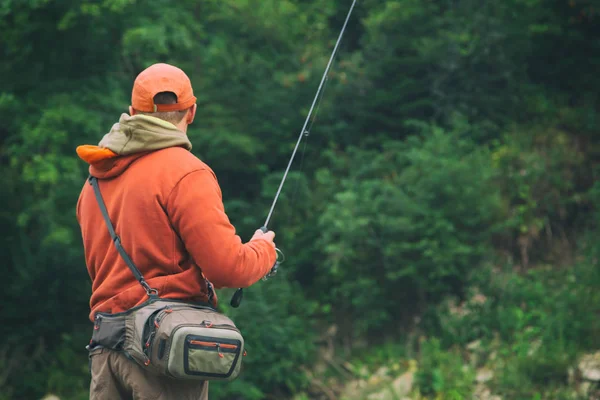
(236, 299)
(279, 260)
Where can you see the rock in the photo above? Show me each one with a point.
(374, 380)
(378, 396)
(474, 346)
(458, 310)
(535, 345)
(403, 384)
(589, 366)
(379, 376)
(479, 299)
(482, 392)
(363, 372)
(351, 389)
(397, 389)
(584, 388)
(320, 368)
(356, 385)
(413, 366)
(382, 372)
(484, 375)
(571, 375)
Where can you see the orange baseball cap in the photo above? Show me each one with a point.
(161, 78)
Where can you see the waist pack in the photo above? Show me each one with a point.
(168, 337)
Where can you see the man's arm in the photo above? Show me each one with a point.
(195, 208)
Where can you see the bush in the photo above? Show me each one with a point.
(406, 226)
(442, 373)
(530, 328)
(552, 305)
(543, 177)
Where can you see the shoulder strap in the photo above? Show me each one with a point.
(117, 241)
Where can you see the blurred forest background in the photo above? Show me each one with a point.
(441, 229)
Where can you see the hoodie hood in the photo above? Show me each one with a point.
(129, 139)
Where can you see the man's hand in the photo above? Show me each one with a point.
(268, 236)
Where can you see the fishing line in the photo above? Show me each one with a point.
(237, 297)
(306, 135)
(303, 130)
(297, 185)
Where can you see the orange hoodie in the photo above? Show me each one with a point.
(166, 206)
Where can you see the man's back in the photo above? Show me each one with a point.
(166, 207)
(136, 200)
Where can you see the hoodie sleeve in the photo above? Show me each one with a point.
(195, 208)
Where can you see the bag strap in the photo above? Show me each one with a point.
(117, 240)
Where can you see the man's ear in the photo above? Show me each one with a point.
(191, 114)
(131, 111)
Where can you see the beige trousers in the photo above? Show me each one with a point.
(115, 377)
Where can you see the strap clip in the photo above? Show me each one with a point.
(149, 291)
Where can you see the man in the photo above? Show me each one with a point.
(166, 207)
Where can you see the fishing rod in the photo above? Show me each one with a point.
(237, 297)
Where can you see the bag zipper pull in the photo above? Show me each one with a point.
(150, 339)
(219, 350)
(97, 322)
(166, 310)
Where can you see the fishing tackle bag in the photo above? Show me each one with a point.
(168, 337)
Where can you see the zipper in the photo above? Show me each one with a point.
(208, 324)
(153, 326)
(160, 315)
(97, 322)
(169, 309)
(213, 344)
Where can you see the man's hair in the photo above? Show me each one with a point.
(173, 117)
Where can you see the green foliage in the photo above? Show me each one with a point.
(438, 206)
(553, 306)
(529, 329)
(442, 373)
(449, 132)
(68, 372)
(372, 357)
(543, 176)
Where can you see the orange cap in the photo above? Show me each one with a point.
(161, 78)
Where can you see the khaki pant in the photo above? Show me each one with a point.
(115, 377)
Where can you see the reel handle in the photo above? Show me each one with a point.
(237, 297)
(278, 261)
